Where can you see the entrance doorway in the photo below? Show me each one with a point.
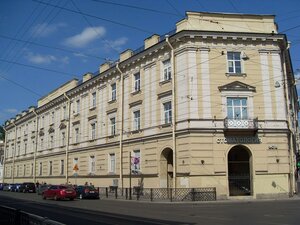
(166, 168)
(239, 176)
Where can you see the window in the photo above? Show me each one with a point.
(167, 70)
(137, 82)
(94, 100)
(42, 143)
(77, 107)
(25, 148)
(40, 169)
(52, 117)
(63, 138)
(237, 108)
(64, 115)
(31, 169)
(18, 170)
(112, 163)
(19, 149)
(114, 92)
(136, 162)
(76, 135)
(113, 126)
(93, 131)
(42, 121)
(75, 164)
(50, 167)
(24, 170)
(234, 62)
(92, 166)
(51, 141)
(167, 112)
(62, 166)
(137, 120)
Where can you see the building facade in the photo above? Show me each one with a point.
(211, 104)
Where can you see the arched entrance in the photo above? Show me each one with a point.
(166, 168)
(239, 175)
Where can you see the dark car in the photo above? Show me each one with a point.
(7, 187)
(14, 187)
(58, 192)
(41, 188)
(83, 191)
(27, 187)
(2, 186)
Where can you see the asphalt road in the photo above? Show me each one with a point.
(90, 212)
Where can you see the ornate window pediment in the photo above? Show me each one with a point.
(62, 126)
(51, 130)
(237, 86)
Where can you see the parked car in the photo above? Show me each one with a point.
(58, 192)
(2, 186)
(27, 187)
(83, 191)
(14, 187)
(41, 188)
(7, 187)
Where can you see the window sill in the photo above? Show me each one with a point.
(166, 125)
(112, 101)
(111, 136)
(92, 140)
(92, 108)
(136, 92)
(76, 114)
(136, 131)
(165, 82)
(235, 74)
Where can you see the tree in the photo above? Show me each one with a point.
(2, 133)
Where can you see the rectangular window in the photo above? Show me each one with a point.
(62, 167)
(50, 167)
(234, 62)
(25, 148)
(64, 113)
(42, 121)
(137, 82)
(94, 100)
(19, 149)
(237, 108)
(136, 162)
(77, 135)
(51, 141)
(137, 120)
(92, 166)
(24, 170)
(31, 169)
(77, 107)
(18, 170)
(53, 117)
(167, 70)
(40, 169)
(75, 165)
(113, 126)
(93, 131)
(63, 138)
(112, 163)
(42, 143)
(167, 112)
(114, 92)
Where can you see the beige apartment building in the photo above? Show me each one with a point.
(212, 104)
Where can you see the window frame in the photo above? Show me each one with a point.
(113, 92)
(137, 120)
(136, 82)
(167, 113)
(234, 62)
(112, 166)
(167, 70)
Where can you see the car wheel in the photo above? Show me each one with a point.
(71, 199)
(44, 197)
(80, 196)
(55, 198)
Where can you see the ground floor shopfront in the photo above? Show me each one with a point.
(257, 166)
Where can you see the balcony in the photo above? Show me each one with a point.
(240, 127)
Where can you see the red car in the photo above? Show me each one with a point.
(58, 192)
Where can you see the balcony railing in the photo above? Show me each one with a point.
(241, 124)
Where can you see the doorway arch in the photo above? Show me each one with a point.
(166, 168)
(239, 174)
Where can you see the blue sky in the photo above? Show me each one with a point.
(45, 43)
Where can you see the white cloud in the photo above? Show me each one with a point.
(40, 59)
(44, 29)
(87, 36)
(115, 44)
(10, 110)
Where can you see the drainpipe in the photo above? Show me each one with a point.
(68, 138)
(173, 111)
(122, 126)
(14, 154)
(4, 154)
(36, 145)
(291, 145)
